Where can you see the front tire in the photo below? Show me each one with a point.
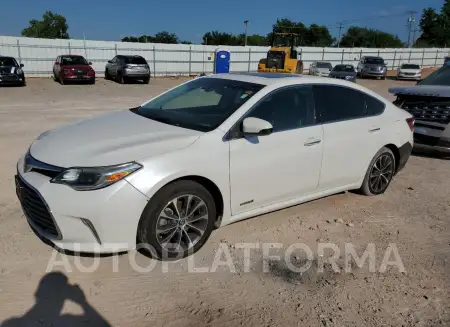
(177, 221)
(379, 174)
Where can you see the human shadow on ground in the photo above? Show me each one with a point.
(53, 290)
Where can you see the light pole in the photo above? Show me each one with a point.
(246, 30)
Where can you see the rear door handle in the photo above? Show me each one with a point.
(374, 130)
(312, 142)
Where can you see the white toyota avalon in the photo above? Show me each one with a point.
(210, 152)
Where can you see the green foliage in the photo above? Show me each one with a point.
(361, 37)
(160, 37)
(52, 26)
(435, 27)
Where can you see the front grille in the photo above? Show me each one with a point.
(5, 70)
(409, 74)
(35, 208)
(434, 111)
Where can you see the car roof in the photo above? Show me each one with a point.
(280, 79)
(7, 57)
(70, 55)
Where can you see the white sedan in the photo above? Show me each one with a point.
(210, 152)
(409, 71)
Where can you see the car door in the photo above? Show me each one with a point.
(113, 68)
(312, 69)
(352, 134)
(109, 66)
(268, 169)
(56, 67)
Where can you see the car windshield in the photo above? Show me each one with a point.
(344, 68)
(410, 66)
(324, 65)
(135, 60)
(8, 61)
(202, 104)
(376, 61)
(73, 60)
(439, 77)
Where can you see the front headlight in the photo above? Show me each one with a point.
(19, 71)
(94, 178)
(349, 77)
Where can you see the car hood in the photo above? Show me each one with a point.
(81, 67)
(323, 70)
(343, 73)
(413, 71)
(374, 65)
(110, 139)
(423, 90)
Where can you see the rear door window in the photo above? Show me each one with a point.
(336, 103)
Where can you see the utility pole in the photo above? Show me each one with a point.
(246, 31)
(341, 26)
(411, 20)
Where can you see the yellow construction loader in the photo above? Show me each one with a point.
(282, 56)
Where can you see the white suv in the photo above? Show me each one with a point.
(208, 153)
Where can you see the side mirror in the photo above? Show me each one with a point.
(90, 63)
(21, 65)
(57, 63)
(255, 126)
(109, 61)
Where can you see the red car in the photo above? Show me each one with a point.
(73, 68)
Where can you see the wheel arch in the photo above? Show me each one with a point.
(395, 150)
(208, 184)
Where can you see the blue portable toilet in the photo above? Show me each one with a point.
(221, 61)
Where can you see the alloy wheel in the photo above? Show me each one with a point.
(381, 173)
(182, 223)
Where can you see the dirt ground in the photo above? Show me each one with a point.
(414, 215)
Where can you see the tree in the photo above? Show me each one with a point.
(319, 36)
(220, 38)
(52, 26)
(435, 27)
(160, 37)
(369, 38)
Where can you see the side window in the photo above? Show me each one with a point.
(336, 103)
(114, 59)
(287, 109)
(374, 106)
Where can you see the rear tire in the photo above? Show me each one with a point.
(379, 174)
(167, 232)
(107, 77)
(120, 78)
(146, 80)
(61, 80)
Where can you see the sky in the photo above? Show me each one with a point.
(113, 19)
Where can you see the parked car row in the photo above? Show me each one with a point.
(122, 68)
(367, 67)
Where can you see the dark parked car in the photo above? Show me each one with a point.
(372, 67)
(126, 68)
(11, 72)
(346, 72)
(73, 68)
(429, 103)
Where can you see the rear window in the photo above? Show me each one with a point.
(135, 60)
(410, 66)
(324, 65)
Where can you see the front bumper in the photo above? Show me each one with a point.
(374, 73)
(100, 221)
(78, 77)
(431, 136)
(411, 77)
(11, 79)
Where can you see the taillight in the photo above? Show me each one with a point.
(410, 121)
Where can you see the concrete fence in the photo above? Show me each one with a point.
(38, 55)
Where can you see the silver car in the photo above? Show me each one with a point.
(125, 68)
(320, 68)
(372, 67)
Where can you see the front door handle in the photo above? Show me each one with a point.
(312, 142)
(374, 130)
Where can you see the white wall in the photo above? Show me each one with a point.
(38, 55)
